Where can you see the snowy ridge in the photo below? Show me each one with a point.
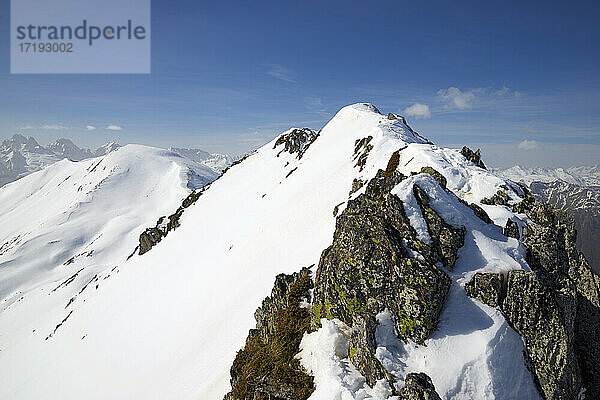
(581, 176)
(169, 324)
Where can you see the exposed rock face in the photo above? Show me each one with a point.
(487, 288)
(545, 320)
(478, 211)
(296, 141)
(266, 368)
(362, 348)
(473, 156)
(151, 236)
(367, 269)
(555, 307)
(446, 239)
(418, 387)
(436, 175)
(499, 199)
(362, 147)
(511, 229)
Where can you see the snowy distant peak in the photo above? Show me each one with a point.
(106, 148)
(215, 161)
(22, 155)
(581, 176)
(67, 149)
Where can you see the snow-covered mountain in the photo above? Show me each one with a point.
(426, 274)
(215, 161)
(575, 190)
(22, 155)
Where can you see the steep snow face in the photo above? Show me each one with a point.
(73, 221)
(169, 323)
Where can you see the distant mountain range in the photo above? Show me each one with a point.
(574, 190)
(21, 155)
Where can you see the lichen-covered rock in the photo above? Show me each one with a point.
(498, 199)
(361, 350)
(446, 239)
(367, 268)
(297, 141)
(356, 185)
(266, 368)
(511, 229)
(550, 239)
(436, 175)
(418, 387)
(545, 319)
(473, 156)
(487, 288)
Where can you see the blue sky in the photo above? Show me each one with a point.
(520, 79)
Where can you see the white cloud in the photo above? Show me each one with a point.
(282, 73)
(114, 128)
(456, 98)
(418, 110)
(90, 127)
(26, 128)
(54, 127)
(528, 145)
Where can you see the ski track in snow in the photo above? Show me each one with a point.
(170, 323)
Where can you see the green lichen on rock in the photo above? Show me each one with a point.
(266, 368)
(367, 269)
(511, 229)
(418, 387)
(436, 175)
(487, 288)
(545, 320)
(550, 239)
(446, 239)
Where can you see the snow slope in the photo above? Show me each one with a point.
(167, 325)
(73, 221)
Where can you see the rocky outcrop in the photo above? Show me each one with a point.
(487, 288)
(498, 199)
(418, 387)
(511, 229)
(296, 141)
(266, 368)
(555, 307)
(446, 239)
(367, 269)
(436, 175)
(473, 156)
(362, 148)
(152, 236)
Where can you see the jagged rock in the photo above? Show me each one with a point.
(511, 229)
(487, 288)
(550, 239)
(499, 199)
(436, 175)
(362, 148)
(446, 239)
(473, 156)
(361, 350)
(392, 116)
(367, 269)
(356, 185)
(418, 387)
(392, 164)
(478, 211)
(545, 319)
(148, 239)
(266, 368)
(297, 141)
